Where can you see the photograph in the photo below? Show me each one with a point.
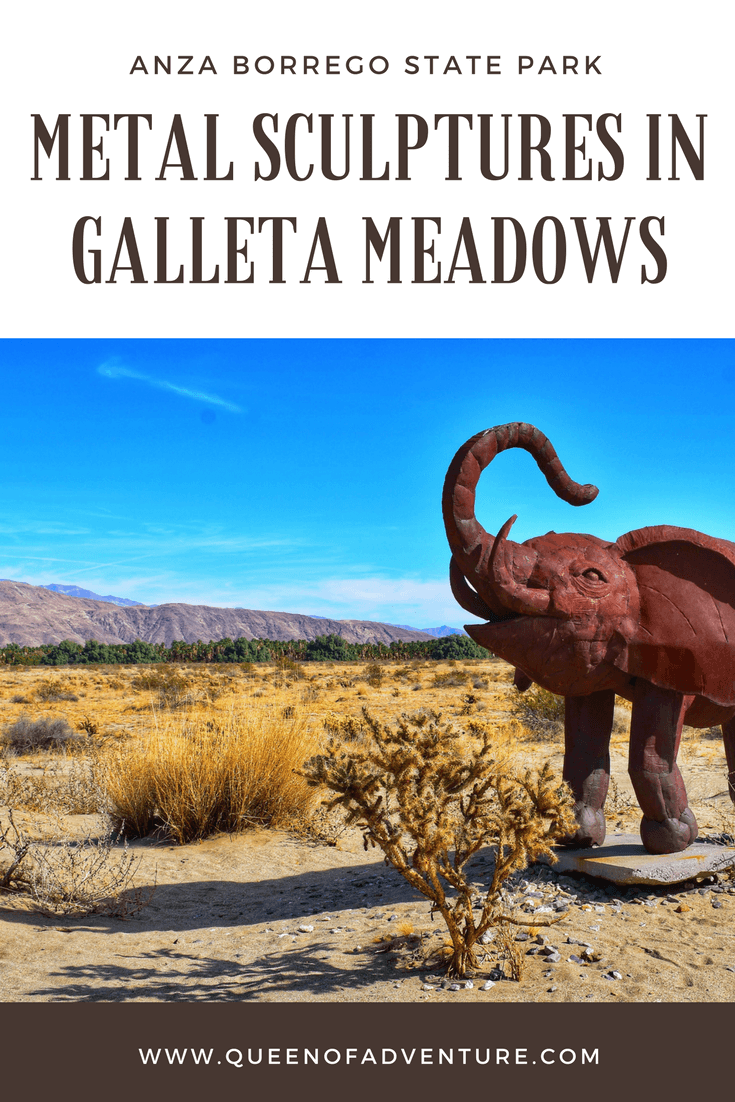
(275, 730)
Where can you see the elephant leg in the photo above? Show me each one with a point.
(668, 826)
(588, 722)
(728, 737)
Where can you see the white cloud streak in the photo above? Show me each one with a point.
(113, 371)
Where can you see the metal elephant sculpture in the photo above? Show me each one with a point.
(650, 617)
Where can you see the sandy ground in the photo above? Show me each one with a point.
(272, 917)
(269, 916)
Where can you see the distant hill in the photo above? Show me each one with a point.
(34, 614)
(438, 633)
(75, 591)
(124, 602)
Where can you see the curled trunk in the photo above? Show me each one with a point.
(496, 585)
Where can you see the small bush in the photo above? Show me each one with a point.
(344, 728)
(288, 668)
(540, 713)
(430, 796)
(198, 778)
(446, 679)
(374, 675)
(172, 687)
(65, 877)
(49, 691)
(92, 876)
(153, 678)
(29, 736)
(73, 791)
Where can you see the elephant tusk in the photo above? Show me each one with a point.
(519, 598)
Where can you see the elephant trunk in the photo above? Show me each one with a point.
(471, 545)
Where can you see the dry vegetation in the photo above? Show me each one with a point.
(431, 794)
(158, 741)
(187, 751)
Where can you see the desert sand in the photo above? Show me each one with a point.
(276, 916)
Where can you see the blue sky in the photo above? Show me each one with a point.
(306, 475)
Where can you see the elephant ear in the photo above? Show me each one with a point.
(685, 639)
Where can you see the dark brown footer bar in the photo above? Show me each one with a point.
(352, 1050)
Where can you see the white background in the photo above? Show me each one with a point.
(76, 57)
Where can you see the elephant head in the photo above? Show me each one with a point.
(576, 613)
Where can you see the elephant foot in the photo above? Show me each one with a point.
(670, 835)
(590, 831)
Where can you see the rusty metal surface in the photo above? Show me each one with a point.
(650, 617)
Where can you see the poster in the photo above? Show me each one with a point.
(340, 234)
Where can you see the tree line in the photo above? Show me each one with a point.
(325, 648)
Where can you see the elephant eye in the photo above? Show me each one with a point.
(594, 575)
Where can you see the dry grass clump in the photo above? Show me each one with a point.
(286, 671)
(51, 690)
(152, 677)
(374, 675)
(30, 736)
(430, 795)
(540, 713)
(446, 679)
(198, 777)
(173, 688)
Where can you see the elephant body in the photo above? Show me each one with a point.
(650, 617)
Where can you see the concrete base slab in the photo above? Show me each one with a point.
(623, 860)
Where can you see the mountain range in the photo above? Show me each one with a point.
(125, 602)
(31, 615)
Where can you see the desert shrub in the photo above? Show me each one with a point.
(430, 795)
(18, 698)
(29, 736)
(71, 877)
(374, 675)
(91, 876)
(344, 728)
(446, 679)
(88, 725)
(619, 803)
(14, 847)
(172, 687)
(540, 713)
(49, 691)
(151, 678)
(75, 790)
(290, 669)
(196, 778)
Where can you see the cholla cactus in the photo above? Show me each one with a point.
(430, 796)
